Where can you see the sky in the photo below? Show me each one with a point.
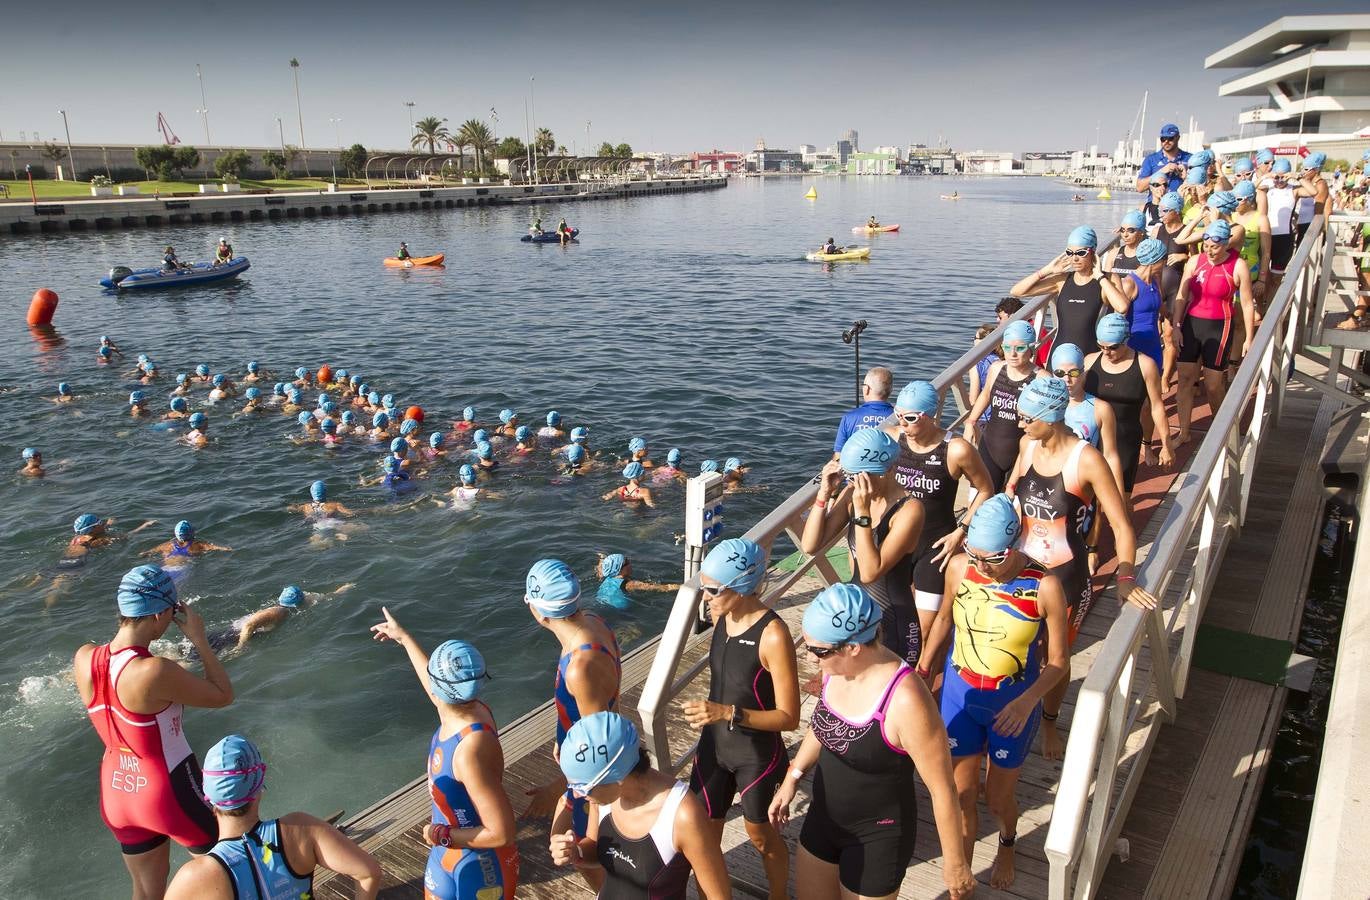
(668, 77)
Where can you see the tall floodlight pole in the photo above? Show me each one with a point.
(336, 134)
(410, 104)
(589, 148)
(299, 112)
(70, 160)
(533, 113)
(204, 107)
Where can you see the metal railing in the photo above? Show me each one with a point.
(665, 682)
(1119, 693)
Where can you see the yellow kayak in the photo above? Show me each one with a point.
(846, 254)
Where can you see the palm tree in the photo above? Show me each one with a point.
(430, 130)
(543, 142)
(477, 135)
(562, 151)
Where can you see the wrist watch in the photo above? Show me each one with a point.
(861, 521)
(735, 717)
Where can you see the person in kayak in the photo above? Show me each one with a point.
(223, 253)
(536, 228)
(872, 222)
(170, 262)
(403, 252)
(830, 247)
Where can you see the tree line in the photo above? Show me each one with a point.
(432, 132)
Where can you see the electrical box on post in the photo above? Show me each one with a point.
(703, 509)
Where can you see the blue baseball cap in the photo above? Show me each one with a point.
(552, 589)
(146, 591)
(601, 748)
(1153, 251)
(233, 773)
(842, 614)
(995, 525)
(736, 563)
(1044, 399)
(1170, 130)
(456, 671)
(917, 397)
(291, 597)
(869, 450)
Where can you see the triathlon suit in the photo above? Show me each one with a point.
(646, 868)
(864, 814)
(149, 778)
(927, 477)
(982, 369)
(178, 549)
(892, 592)
(1056, 518)
(1173, 273)
(629, 495)
(1304, 212)
(611, 592)
(1122, 263)
(1078, 308)
(257, 866)
(1143, 318)
(1152, 213)
(1082, 419)
(733, 759)
(1126, 392)
(1279, 208)
(1251, 241)
(1206, 329)
(462, 872)
(568, 714)
(999, 438)
(993, 661)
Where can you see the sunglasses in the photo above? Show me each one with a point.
(1129, 230)
(912, 418)
(1158, 184)
(1067, 373)
(823, 652)
(1026, 420)
(713, 590)
(992, 559)
(1084, 252)
(1165, 139)
(1016, 348)
(1109, 348)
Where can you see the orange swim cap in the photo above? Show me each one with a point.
(325, 374)
(415, 413)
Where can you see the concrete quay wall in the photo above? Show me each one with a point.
(137, 212)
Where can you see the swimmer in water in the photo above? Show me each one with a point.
(552, 430)
(709, 465)
(672, 470)
(319, 506)
(323, 408)
(291, 600)
(411, 431)
(199, 424)
(182, 543)
(222, 389)
(359, 397)
(91, 533)
(485, 457)
(253, 396)
(293, 398)
(577, 461)
(509, 423)
(33, 463)
(182, 387)
(616, 579)
(310, 426)
(202, 375)
(107, 344)
(303, 380)
(255, 373)
(137, 404)
(467, 489)
(637, 452)
(149, 373)
(395, 479)
(526, 441)
(580, 437)
(467, 421)
(350, 425)
(733, 473)
(389, 404)
(64, 394)
(633, 491)
(434, 452)
(329, 429)
(104, 357)
(380, 427)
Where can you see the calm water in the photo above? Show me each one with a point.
(692, 320)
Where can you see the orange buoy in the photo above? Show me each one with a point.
(325, 375)
(415, 413)
(42, 307)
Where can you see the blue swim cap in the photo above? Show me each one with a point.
(1112, 329)
(575, 454)
(106, 352)
(146, 591)
(354, 381)
(198, 420)
(151, 369)
(522, 433)
(673, 457)
(252, 365)
(86, 523)
(179, 404)
(184, 531)
(1134, 219)
(995, 525)
(637, 444)
(599, 749)
(30, 453)
(136, 397)
(469, 414)
(842, 614)
(709, 465)
(485, 450)
(301, 372)
(340, 375)
(467, 474)
(507, 415)
(233, 773)
(1282, 166)
(732, 464)
(217, 380)
(397, 445)
(1224, 202)
(1171, 201)
(408, 426)
(611, 565)
(456, 671)
(318, 491)
(1019, 332)
(1196, 176)
(1265, 156)
(553, 418)
(104, 339)
(373, 398)
(1067, 355)
(917, 397)
(435, 440)
(305, 417)
(278, 389)
(633, 470)
(388, 401)
(1244, 190)
(579, 434)
(295, 396)
(380, 420)
(1083, 236)
(349, 417)
(363, 389)
(202, 370)
(1242, 166)
(329, 425)
(552, 589)
(1200, 158)
(1314, 161)
(63, 388)
(1219, 231)
(1153, 251)
(869, 450)
(181, 378)
(322, 399)
(736, 563)
(393, 464)
(252, 393)
(1044, 399)
(480, 436)
(291, 597)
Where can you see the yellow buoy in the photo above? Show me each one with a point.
(812, 194)
(1105, 195)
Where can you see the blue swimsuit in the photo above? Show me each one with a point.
(461, 872)
(258, 868)
(1142, 317)
(611, 593)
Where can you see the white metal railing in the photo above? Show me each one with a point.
(1118, 693)
(665, 682)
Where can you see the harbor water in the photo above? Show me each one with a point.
(691, 320)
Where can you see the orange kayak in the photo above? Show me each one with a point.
(435, 260)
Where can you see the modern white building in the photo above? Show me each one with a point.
(896, 152)
(986, 162)
(1312, 77)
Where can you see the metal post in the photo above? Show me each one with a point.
(280, 128)
(33, 192)
(533, 128)
(410, 104)
(71, 161)
(853, 336)
(204, 107)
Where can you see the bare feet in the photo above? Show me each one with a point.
(1052, 745)
(1182, 438)
(1352, 322)
(1001, 876)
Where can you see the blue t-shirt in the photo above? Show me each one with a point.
(1159, 160)
(867, 415)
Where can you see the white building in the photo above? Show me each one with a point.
(985, 162)
(896, 152)
(806, 149)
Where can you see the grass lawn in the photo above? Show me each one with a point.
(49, 189)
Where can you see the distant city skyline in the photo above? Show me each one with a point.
(990, 76)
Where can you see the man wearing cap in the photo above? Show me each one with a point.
(149, 776)
(874, 409)
(1169, 160)
(260, 859)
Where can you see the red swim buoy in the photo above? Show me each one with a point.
(415, 413)
(42, 307)
(325, 375)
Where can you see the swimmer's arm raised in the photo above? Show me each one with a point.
(1114, 297)
(823, 523)
(391, 630)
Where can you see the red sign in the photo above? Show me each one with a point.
(1289, 151)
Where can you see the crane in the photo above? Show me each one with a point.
(168, 136)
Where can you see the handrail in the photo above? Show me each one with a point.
(1208, 508)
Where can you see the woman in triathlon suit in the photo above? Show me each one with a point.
(753, 698)
(471, 837)
(930, 467)
(873, 727)
(1122, 259)
(1176, 255)
(1005, 380)
(1151, 204)
(1203, 320)
(882, 528)
(266, 860)
(603, 762)
(995, 679)
(1276, 195)
(633, 492)
(149, 777)
(1057, 482)
(1082, 292)
(1312, 192)
(1089, 417)
(1142, 287)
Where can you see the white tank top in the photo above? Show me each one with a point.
(1279, 205)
